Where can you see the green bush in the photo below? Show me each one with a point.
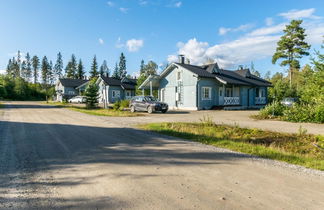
(305, 113)
(121, 105)
(116, 105)
(275, 109)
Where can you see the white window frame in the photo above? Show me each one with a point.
(114, 93)
(203, 89)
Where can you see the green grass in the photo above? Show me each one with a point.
(1, 105)
(297, 149)
(97, 111)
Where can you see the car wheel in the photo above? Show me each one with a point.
(133, 109)
(150, 110)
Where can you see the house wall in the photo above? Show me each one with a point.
(186, 87)
(214, 85)
(112, 99)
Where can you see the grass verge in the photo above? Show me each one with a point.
(97, 111)
(300, 149)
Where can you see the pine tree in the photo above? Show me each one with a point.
(15, 68)
(58, 68)
(28, 67)
(35, 64)
(142, 67)
(9, 68)
(71, 68)
(94, 68)
(122, 66)
(45, 69)
(253, 71)
(50, 73)
(91, 94)
(80, 72)
(116, 72)
(104, 70)
(291, 47)
(23, 71)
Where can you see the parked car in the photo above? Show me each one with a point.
(288, 101)
(78, 99)
(148, 104)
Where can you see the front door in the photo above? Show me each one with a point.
(221, 95)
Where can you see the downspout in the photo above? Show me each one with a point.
(198, 92)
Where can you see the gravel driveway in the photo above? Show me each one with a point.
(54, 158)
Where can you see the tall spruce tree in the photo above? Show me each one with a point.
(9, 68)
(142, 67)
(291, 47)
(122, 66)
(51, 74)
(58, 68)
(92, 94)
(104, 70)
(116, 72)
(71, 68)
(94, 68)
(44, 70)
(35, 64)
(28, 67)
(23, 71)
(80, 72)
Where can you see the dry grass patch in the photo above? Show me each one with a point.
(301, 149)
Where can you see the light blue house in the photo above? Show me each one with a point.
(66, 88)
(113, 89)
(185, 86)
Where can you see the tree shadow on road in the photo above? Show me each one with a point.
(30, 148)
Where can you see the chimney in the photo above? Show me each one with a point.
(181, 59)
(106, 74)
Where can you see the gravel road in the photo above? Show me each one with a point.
(54, 158)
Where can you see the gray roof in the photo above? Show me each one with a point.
(111, 81)
(238, 77)
(72, 82)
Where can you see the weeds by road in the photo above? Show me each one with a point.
(301, 149)
(97, 111)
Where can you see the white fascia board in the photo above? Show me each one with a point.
(220, 80)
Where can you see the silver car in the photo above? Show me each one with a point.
(288, 101)
(78, 99)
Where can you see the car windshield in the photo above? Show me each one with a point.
(150, 98)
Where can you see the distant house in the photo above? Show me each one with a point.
(112, 89)
(185, 86)
(67, 88)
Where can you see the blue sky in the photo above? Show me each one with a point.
(230, 32)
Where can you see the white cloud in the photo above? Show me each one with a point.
(119, 44)
(143, 2)
(251, 46)
(123, 9)
(110, 3)
(298, 14)
(134, 45)
(223, 30)
(178, 4)
(269, 21)
(2, 71)
(101, 41)
(268, 30)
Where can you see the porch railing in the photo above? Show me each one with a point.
(231, 100)
(260, 100)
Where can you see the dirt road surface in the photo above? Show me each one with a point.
(54, 158)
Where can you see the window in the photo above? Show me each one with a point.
(116, 94)
(71, 92)
(206, 93)
(179, 75)
(228, 92)
(220, 91)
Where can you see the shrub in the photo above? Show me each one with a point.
(116, 105)
(275, 109)
(124, 104)
(121, 105)
(319, 113)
